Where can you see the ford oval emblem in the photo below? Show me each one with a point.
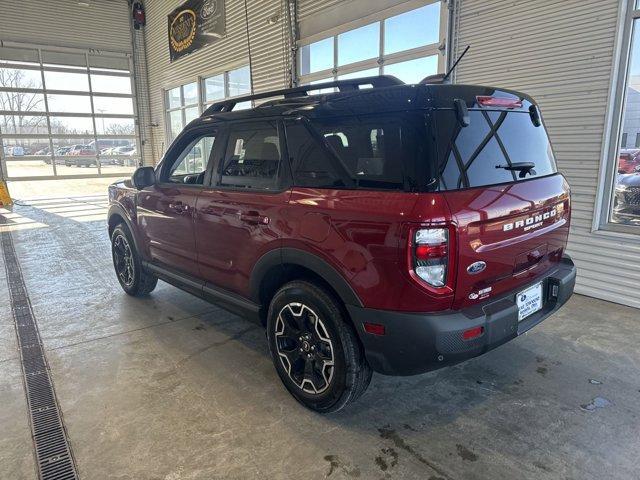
(476, 267)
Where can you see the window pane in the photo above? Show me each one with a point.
(191, 114)
(372, 72)
(412, 29)
(22, 167)
(24, 147)
(110, 84)
(239, 82)
(316, 56)
(22, 102)
(23, 124)
(413, 71)
(190, 93)
(252, 158)
(69, 103)
(175, 123)
(18, 78)
(66, 81)
(173, 97)
(193, 161)
(115, 105)
(626, 200)
(115, 126)
(214, 88)
(359, 44)
(312, 163)
(71, 125)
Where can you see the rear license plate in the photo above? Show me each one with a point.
(529, 301)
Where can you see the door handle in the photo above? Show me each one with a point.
(178, 207)
(254, 218)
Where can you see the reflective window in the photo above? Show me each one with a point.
(174, 98)
(69, 103)
(626, 182)
(72, 125)
(214, 88)
(66, 81)
(239, 82)
(232, 83)
(113, 105)
(190, 93)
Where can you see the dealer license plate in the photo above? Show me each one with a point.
(529, 301)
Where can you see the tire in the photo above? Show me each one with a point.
(133, 278)
(315, 351)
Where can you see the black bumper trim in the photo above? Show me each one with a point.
(416, 343)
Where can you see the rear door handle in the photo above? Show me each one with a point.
(254, 218)
(178, 207)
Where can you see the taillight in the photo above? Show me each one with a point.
(487, 101)
(430, 255)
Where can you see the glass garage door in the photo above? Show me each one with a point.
(66, 114)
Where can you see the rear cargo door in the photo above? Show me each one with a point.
(509, 205)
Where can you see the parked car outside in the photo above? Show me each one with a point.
(81, 156)
(628, 160)
(396, 229)
(626, 206)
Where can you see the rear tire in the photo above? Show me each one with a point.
(133, 278)
(315, 351)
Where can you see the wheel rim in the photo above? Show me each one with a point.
(304, 348)
(123, 260)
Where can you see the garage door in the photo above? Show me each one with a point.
(66, 113)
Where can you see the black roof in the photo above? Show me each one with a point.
(357, 96)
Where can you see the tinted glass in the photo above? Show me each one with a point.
(252, 158)
(473, 156)
(192, 163)
(313, 165)
(375, 151)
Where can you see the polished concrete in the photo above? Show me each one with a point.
(170, 387)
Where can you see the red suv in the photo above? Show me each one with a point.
(395, 228)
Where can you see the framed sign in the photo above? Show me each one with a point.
(194, 24)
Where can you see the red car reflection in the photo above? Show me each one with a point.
(628, 160)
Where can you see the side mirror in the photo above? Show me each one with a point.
(143, 177)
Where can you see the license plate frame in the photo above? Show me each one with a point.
(529, 301)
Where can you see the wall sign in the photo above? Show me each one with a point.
(194, 24)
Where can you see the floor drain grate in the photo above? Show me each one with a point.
(52, 450)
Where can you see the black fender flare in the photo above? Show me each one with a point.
(294, 256)
(116, 209)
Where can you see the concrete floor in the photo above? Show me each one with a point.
(170, 387)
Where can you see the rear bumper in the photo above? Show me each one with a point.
(415, 343)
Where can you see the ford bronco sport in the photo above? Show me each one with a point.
(379, 227)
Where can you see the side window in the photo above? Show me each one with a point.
(190, 166)
(252, 157)
(312, 164)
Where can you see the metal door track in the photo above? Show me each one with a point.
(52, 450)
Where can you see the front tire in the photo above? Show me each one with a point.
(315, 351)
(133, 278)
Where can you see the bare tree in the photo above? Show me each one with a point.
(120, 129)
(20, 102)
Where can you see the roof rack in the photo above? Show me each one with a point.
(342, 85)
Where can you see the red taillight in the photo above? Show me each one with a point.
(487, 101)
(429, 256)
(472, 333)
(374, 328)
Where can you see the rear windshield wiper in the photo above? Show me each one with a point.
(522, 167)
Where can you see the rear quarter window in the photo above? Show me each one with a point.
(471, 156)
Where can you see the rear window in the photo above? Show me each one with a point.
(473, 156)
